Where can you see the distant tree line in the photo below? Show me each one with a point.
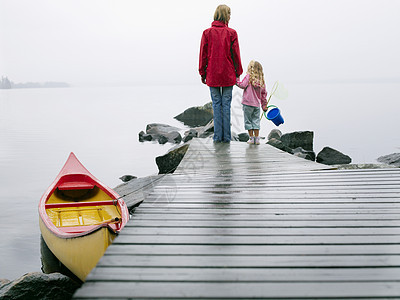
(5, 83)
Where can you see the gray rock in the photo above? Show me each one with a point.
(280, 145)
(363, 166)
(192, 133)
(306, 154)
(391, 159)
(41, 286)
(275, 134)
(303, 139)
(162, 139)
(329, 156)
(144, 137)
(170, 161)
(162, 133)
(126, 178)
(3, 282)
(243, 137)
(158, 128)
(196, 116)
(173, 137)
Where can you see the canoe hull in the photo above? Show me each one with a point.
(80, 254)
(80, 217)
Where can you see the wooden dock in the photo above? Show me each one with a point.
(238, 221)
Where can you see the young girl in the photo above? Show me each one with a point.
(254, 94)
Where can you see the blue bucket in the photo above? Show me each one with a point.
(274, 115)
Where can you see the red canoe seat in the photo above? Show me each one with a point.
(75, 185)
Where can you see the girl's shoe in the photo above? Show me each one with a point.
(251, 140)
(257, 142)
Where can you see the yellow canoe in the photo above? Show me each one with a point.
(80, 217)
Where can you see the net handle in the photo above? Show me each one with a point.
(265, 112)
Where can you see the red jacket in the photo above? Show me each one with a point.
(219, 55)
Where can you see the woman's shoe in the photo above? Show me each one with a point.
(257, 142)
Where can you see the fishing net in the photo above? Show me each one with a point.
(278, 91)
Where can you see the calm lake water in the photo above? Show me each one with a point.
(40, 127)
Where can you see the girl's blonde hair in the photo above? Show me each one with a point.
(222, 13)
(255, 70)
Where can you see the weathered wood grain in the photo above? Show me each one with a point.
(248, 275)
(238, 290)
(240, 221)
(283, 250)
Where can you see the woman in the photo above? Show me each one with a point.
(219, 66)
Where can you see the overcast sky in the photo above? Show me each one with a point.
(146, 42)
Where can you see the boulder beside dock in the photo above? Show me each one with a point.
(39, 286)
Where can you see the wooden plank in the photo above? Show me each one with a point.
(237, 290)
(271, 198)
(157, 274)
(364, 182)
(261, 217)
(271, 205)
(242, 172)
(258, 193)
(256, 240)
(326, 179)
(251, 223)
(269, 211)
(194, 230)
(300, 175)
(259, 261)
(304, 250)
(135, 191)
(259, 190)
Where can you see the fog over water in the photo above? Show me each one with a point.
(131, 63)
(129, 42)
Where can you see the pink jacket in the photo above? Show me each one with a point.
(252, 96)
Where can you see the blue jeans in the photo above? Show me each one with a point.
(221, 101)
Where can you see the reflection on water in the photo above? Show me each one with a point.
(253, 159)
(224, 171)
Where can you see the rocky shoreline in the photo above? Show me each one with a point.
(55, 285)
(299, 143)
(39, 286)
